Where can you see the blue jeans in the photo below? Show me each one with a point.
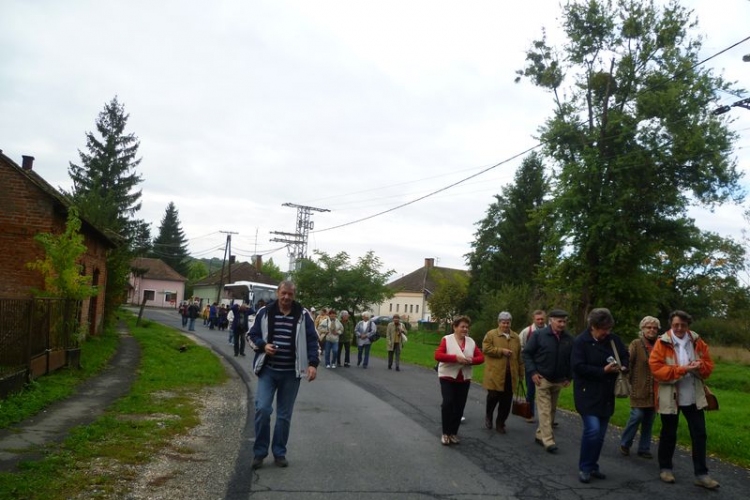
(644, 417)
(366, 359)
(283, 384)
(191, 324)
(331, 348)
(531, 393)
(594, 430)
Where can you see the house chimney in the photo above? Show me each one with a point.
(258, 262)
(28, 162)
(429, 263)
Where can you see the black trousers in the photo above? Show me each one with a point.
(239, 342)
(503, 400)
(454, 401)
(696, 421)
(346, 347)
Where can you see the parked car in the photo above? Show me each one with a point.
(382, 320)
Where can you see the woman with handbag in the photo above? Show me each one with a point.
(595, 369)
(642, 411)
(505, 369)
(456, 355)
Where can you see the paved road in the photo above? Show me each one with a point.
(374, 434)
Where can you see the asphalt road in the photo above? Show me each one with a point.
(374, 434)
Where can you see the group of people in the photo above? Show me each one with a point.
(666, 374)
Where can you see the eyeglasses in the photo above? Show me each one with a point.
(652, 327)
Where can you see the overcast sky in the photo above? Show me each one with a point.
(351, 106)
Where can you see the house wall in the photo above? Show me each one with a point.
(141, 284)
(205, 294)
(26, 210)
(411, 306)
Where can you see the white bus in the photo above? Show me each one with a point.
(249, 292)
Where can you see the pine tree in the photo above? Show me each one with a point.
(171, 244)
(105, 192)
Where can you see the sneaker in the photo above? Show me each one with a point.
(667, 476)
(463, 419)
(624, 450)
(281, 462)
(584, 477)
(333, 366)
(328, 366)
(257, 463)
(454, 439)
(707, 482)
(645, 454)
(445, 440)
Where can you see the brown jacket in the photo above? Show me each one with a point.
(639, 374)
(497, 364)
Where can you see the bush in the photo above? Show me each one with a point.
(719, 331)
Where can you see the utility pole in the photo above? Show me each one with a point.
(227, 250)
(297, 242)
(742, 103)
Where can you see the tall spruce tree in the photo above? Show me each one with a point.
(105, 192)
(171, 245)
(508, 244)
(634, 143)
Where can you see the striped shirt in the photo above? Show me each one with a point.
(283, 339)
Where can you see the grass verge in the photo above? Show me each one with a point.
(161, 405)
(728, 432)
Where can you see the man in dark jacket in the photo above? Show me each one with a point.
(239, 328)
(547, 359)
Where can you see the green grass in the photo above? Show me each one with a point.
(728, 432)
(160, 405)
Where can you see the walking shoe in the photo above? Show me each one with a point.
(551, 448)
(555, 424)
(598, 475)
(463, 419)
(707, 482)
(257, 463)
(346, 365)
(625, 450)
(445, 440)
(584, 477)
(645, 454)
(488, 422)
(280, 462)
(328, 366)
(333, 366)
(667, 476)
(454, 439)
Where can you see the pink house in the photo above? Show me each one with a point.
(155, 281)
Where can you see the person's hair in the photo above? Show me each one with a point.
(538, 312)
(344, 313)
(366, 315)
(505, 315)
(601, 318)
(396, 316)
(461, 319)
(647, 320)
(682, 315)
(331, 311)
(287, 284)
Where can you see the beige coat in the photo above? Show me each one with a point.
(497, 363)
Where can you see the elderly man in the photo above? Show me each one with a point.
(345, 341)
(538, 322)
(394, 335)
(547, 359)
(287, 350)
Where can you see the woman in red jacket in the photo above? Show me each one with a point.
(455, 355)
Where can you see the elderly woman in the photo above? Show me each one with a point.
(595, 371)
(502, 348)
(364, 330)
(456, 355)
(642, 411)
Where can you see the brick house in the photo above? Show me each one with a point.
(29, 206)
(155, 280)
(412, 290)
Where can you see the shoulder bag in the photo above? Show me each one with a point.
(622, 384)
(521, 407)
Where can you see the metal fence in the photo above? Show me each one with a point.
(30, 328)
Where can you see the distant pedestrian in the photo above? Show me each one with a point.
(642, 411)
(345, 341)
(239, 327)
(538, 322)
(394, 335)
(193, 310)
(287, 343)
(330, 329)
(184, 312)
(680, 362)
(456, 355)
(364, 331)
(547, 358)
(213, 313)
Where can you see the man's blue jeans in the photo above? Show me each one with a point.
(191, 324)
(331, 352)
(285, 385)
(644, 417)
(594, 430)
(531, 393)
